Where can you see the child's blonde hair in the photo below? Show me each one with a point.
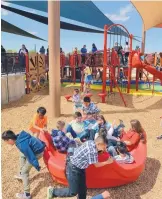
(60, 124)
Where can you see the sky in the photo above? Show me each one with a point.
(121, 12)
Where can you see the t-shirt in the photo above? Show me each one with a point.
(61, 141)
(41, 123)
(24, 51)
(85, 155)
(128, 159)
(126, 49)
(91, 124)
(77, 100)
(87, 71)
(92, 108)
(78, 127)
(131, 136)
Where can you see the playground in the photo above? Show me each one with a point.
(145, 108)
(118, 82)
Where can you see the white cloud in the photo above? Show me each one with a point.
(3, 11)
(33, 33)
(123, 14)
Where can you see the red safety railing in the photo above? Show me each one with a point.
(112, 61)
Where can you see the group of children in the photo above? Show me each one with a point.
(88, 132)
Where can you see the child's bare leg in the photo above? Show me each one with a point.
(85, 88)
(110, 131)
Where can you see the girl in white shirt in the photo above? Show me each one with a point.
(126, 50)
(124, 156)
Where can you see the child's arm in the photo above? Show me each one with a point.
(36, 127)
(45, 124)
(101, 164)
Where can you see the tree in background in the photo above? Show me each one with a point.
(11, 51)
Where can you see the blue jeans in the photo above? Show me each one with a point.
(77, 183)
(116, 132)
(69, 129)
(112, 151)
(98, 197)
(82, 135)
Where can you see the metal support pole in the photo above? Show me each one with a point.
(54, 57)
(105, 59)
(143, 39)
(137, 78)
(130, 65)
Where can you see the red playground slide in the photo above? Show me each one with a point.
(137, 63)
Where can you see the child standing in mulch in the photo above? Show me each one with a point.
(39, 122)
(88, 80)
(31, 150)
(76, 100)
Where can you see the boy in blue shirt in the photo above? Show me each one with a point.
(83, 55)
(94, 50)
(89, 107)
(31, 150)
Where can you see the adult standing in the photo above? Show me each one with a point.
(22, 53)
(126, 51)
(3, 59)
(83, 54)
(42, 50)
(118, 49)
(76, 59)
(94, 50)
(77, 162)
(3, 50)
(61, 51)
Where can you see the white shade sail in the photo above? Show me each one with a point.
(150, 11)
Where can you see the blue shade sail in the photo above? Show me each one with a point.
(9, 28)
(81, 11)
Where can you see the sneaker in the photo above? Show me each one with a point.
(22, 196)
(121, 123)
(18, 177)
(159, 137)
(49, 193)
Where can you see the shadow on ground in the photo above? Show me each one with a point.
(143, 185)
(131, 191)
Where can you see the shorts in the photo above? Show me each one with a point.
(88, 79)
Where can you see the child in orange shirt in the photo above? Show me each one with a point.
(39, 122)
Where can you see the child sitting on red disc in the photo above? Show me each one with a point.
(123, 155)
(61, 140)
(39, 122)
(134, 135)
